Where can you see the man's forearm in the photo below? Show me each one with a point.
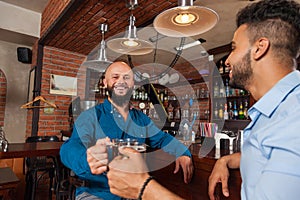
(155, 191)
(232, 161)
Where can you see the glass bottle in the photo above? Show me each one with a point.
(221, 112)
(227, 89)
(225, 113)
(216, 89)
(241, 111)
(235, 111)
(230, 108)
(246, 110)
(216, 111)
(170, 111)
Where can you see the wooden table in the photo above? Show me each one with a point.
(204, 160)
(22, 150)
(8, 183)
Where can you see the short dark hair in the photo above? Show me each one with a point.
(277, 20)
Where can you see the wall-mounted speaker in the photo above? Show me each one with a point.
(24, 55)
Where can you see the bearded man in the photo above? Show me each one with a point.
(85, 152)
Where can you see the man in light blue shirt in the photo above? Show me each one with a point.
(263, 61)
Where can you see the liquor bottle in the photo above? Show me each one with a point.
(235, 111)
(216, 111)
(176, 112)
(227, 88)
(202, 93)
(216, 89)
(161, 96)
(246, 110)
(225, 113)
(170, 111)
(241, 111)
(151, 110)
(222, 91)
(221, 67)
(221, 114)
(166, 99)
(230, 110)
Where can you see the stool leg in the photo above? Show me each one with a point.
(34, 185)
(51, 175)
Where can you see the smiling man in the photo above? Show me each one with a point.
(265, 47)
(85, 152)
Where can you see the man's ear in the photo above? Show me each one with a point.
(261, 47)
(105, 83)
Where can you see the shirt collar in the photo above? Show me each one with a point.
(268, 103)
(109, 107)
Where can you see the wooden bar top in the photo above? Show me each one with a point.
(21, 150)
(162, 166)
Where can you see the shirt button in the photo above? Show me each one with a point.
(119, 116)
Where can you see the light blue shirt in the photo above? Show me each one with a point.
(270, 158)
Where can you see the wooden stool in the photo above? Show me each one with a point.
(8, 183)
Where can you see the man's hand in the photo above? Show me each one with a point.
(127, 173)
(220, 173)
(187, 166)
(97, 157)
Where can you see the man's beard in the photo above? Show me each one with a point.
(119, 100)
(241, 72)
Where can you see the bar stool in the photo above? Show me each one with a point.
(44, 164)
(8, 184)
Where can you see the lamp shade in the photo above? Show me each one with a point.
(134, 46)
(130, 44)
(185, 21)
(101, 63)
(97, 65)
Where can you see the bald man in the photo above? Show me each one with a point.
(85, 152)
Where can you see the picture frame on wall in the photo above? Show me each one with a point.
(64, 85)
(31, 84)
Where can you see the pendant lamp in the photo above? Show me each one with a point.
(101, 63)
(130, 44)
(185, 20)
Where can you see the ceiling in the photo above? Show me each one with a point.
(77, 30)
(80, 32)
(34, 5)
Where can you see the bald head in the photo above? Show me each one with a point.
(119, 82)
(118, 66)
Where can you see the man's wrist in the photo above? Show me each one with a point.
(142, 190)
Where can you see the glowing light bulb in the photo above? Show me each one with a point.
(185, 18)
(130, 43)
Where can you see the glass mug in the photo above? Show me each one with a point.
(113, 148)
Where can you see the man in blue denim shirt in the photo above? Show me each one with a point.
(114, 119)
(263, 60)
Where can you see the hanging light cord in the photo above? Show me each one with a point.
(174, 61)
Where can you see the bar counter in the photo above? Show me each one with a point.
(162, 166)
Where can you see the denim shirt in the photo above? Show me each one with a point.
(270, 156)
(103, 121)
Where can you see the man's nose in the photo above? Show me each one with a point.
(121, 80)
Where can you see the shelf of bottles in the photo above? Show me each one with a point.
(228, 103)
(95, 89)
(140, 100)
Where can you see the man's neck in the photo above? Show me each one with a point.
(123, 109)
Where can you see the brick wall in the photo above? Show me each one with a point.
(63, 63)
(3, 86)
(52, 12)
